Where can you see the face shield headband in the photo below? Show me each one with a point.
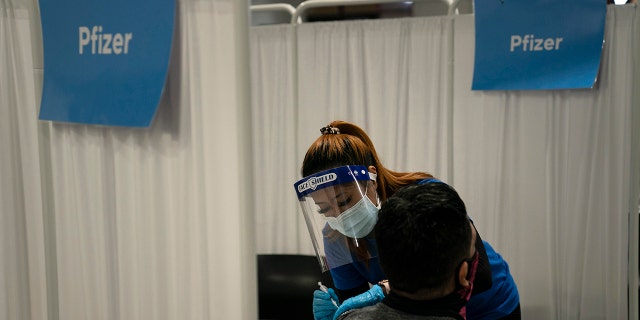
(340, 214)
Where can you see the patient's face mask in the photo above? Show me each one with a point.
(339, 212)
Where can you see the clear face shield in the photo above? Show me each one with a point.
(340, 208)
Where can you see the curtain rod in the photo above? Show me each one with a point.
(309, 4)
(274, 7)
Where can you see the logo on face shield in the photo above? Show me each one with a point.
(313, 182)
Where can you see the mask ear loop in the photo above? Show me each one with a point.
(374, 178)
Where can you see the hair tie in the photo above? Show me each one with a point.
(329, 130)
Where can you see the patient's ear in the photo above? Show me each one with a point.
(462, 275)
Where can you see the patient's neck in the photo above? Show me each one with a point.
(427, 293)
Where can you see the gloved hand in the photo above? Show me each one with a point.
(365, 299)
(323, 307)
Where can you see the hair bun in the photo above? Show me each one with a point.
(329, 130)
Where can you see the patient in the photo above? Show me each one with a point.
(426, 248)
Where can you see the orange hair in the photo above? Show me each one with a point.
(352, 146)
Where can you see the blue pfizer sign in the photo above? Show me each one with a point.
(105, 62)
(537, 44)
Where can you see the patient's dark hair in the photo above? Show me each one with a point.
(423, 234)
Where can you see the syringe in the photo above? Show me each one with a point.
(323, 288)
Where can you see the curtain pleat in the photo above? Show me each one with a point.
(22, 262)
(279, 226)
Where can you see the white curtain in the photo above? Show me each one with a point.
(550, 177)
(154, 224)
(547, 175)
(392, 77)
(343, 71)
(22, 256)
(279, 227)
(139, 223)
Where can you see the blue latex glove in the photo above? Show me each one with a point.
(365, 299)
(323, 307)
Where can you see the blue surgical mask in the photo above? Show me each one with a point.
(357, 221)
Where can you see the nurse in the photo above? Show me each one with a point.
(343, 186)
